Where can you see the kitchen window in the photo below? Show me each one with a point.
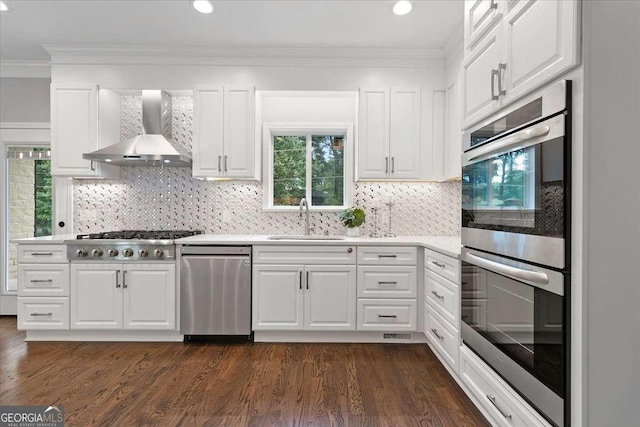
(308, 162)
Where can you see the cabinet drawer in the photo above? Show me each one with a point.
(507, 409)
(387, 315)
(387, 255)
(387, 282)
(444, 296)
(43, 280)
(42, 254)
(43, 313)
(308, 255)
(444, 337)
(447, 267)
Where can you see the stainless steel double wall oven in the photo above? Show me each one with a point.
(516, 232)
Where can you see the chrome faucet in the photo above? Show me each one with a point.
(304, 204)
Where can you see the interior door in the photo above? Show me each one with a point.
(330, 298)
(149, 296)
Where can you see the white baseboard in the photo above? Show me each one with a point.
(115, 336)
(336, 337)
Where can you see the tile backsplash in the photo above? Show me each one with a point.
(170, 198)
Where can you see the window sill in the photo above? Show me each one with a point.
(296, 209)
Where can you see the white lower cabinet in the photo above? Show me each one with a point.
(304, 297)
(444, 338)
(387, 314)
(43, 313)
(505, 406)
(117, 296)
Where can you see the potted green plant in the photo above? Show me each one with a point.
(352, 218)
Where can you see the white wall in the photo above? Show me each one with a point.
(24, 100)
(612, 225)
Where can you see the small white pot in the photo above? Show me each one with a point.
(353, 231)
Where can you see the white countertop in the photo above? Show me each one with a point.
(45, 240)
(447, 245)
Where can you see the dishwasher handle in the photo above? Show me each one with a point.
(215, 250)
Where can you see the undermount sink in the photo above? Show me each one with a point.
(305, 237)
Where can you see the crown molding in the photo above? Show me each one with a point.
(454, 44)
(25, 69)
(246, 56)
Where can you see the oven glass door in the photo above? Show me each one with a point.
(520, 189)
(522, 321)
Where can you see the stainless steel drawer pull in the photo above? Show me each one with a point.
(387, 256)
(219, 161)
(41, 314)
(439, 264)
(124, 279)
(307, 280)
(386, 168)
(41, 253)
(117, 278)
(41, 280)
(387, 316)
(225, 163)
(387, 283)
(435, 332)
(300, 280)
(492, 399)
(437, 295)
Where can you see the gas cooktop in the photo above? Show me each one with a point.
(139, 235)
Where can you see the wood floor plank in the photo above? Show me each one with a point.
(253, 384)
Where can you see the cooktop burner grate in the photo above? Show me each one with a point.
(139, 235)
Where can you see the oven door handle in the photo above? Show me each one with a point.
(516, 138)
(506, 270)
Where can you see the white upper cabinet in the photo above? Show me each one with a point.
(74, 131)
(541, 42)
(480, 16)
(373, 141)
(389, 134)
(208, 143)
(513, 49)
(480, 77)
(224, 143)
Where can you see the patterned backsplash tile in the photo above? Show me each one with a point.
(170, 198)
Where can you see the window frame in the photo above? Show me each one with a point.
(307, 129)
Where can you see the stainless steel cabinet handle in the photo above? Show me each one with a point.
(42, 281)
(387, 316)
(393, 164)
(501, 68)
(307, 281)
(124, 279)
(494, 5)
(225, 163)
(492, 399)
(387, 283)
(41, 314)
(93, 165)
(300, 280)
(439, 264)
(219, 163)
(41, 253)
(435, 332)
(437, 295)
(386, 168)
(387, 256)
(494, 73)
(117, 278)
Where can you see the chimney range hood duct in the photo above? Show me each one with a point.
(152, 147)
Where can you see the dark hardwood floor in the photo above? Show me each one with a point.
(174, 384)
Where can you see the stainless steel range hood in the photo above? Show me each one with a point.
(152, 147)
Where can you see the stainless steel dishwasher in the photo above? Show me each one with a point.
(215, 292)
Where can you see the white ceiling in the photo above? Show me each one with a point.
(258, 23)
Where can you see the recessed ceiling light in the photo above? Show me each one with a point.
(401, 7)
(202, 6)
(4, 7)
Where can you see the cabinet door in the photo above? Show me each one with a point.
(479, 17)
(208, 124)
(404, 133)
(453, 133)
(74, 131)
(149, 296)
(239, 136)
(477, 78)
(277, 297)
(373, 129)
(541, 43)
(96, 296)
(330, 298)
